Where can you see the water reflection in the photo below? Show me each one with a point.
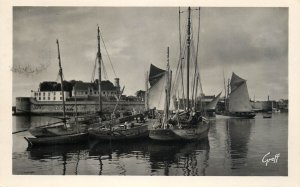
(188, 156)
(238, 135)
(63, 153)
(234, 147)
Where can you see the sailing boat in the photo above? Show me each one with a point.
(118, 129)
(188, 124)
(64, 132)
(238, 102)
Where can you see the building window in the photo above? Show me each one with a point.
(43, 93)
(44, 98)
(103, 92)
(85, 92)
(54, 98)
(95, 93)
(60, 98)
(39, 98)
(49, 98)
(39, 93)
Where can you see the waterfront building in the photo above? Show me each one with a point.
(90, 89)
(49, 95)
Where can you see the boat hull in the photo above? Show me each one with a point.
(64, 139)
(120, 134)
(176, 134)
(244, 115)
(163, 135)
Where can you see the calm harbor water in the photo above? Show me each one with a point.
(234, 147)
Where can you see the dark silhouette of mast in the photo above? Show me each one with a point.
(99, 72)
(167, 89)
(61, 81)
(188, 59)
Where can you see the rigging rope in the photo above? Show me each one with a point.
(104, 70)
(94, 69)
(108, 55)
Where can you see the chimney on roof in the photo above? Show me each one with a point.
(117, 83)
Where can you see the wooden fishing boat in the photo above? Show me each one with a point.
(237, 105)
(59, 128)
(267, 114)
(172, 124)
(117, 129)
(121, 132)
(63, 132)
(55, 140)
(188, 130)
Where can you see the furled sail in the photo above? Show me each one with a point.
(212, 105)
(239, 96)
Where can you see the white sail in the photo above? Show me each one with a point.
(157, 94)
(239, 100)
(212, 105)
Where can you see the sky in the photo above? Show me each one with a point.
(252, 42)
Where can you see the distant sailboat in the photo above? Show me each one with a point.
(238, 102)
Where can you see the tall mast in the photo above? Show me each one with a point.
(225, 90)
(99, 72)
(147, 92)
(180, 58)
(61, 81)
(188, 59)
(167, 90)
(227, 98)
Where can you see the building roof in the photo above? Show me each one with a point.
(106, 85)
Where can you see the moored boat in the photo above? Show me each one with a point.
(267, 114)
(172, 124)
(56, 140)
(121, 132)
(59, 132)
(118, 129)
(237, 105)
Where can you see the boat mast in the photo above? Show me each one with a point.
(181, 68)
(188, 59)
(61, 81)
(76, 122)
(99, 72)
(227, 98)
(225, 91)
(146, 93)
(167, 90)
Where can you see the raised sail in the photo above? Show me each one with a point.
(239, 100)
(212, 105)
(156, 94)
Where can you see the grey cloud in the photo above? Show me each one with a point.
(234, 39)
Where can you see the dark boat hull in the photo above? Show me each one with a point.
(244, 115)
(176, 134)
(267, 116)
(120, 135)
(64, 139)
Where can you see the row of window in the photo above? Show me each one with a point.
(44, 93)
(48, 99)
(95, 93)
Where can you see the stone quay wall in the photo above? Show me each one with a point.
(32, 106)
